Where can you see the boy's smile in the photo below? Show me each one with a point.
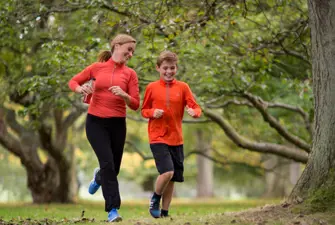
(167, 70)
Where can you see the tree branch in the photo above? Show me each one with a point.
(12, 122)
(273, 122)
(225, 163)
(7, 140)
(297, 109)
(291, 53)
(230, 102)
(263, 147)
(138, 151)
(45, 133)
(292, 108)
(72, 117)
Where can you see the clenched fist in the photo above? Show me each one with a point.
(158, 113)
(190, 111)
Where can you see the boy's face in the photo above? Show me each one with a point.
(167, 70)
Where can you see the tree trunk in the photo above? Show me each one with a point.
(51, 184)
(317, 182)
(51, 181)
(42, 182)
(205, 167)
(280, 177)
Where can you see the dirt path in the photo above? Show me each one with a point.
(281, 214)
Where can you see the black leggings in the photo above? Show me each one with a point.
(107, 137)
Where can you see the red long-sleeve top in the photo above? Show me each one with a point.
(104, 103)
(172, 97)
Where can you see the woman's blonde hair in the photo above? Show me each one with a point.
(118, 39)
(122, 39)
(167, 56)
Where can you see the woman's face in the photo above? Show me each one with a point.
(124, 51)
(167, 70)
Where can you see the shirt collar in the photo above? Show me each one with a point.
(161, 81)
(111, 61)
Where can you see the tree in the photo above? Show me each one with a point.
(205, 176)
(34, 124)
(317, 183)
(243, 58)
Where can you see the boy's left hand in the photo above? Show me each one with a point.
(190, 111)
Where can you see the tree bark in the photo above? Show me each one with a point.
(51, 181)
(318, 180)
(205, 167)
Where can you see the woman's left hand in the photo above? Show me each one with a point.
(116, 90)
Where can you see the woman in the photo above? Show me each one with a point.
(114, 86)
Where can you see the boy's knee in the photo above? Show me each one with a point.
(168, 174)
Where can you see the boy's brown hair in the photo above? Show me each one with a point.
(167, 56)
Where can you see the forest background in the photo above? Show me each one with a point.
(247, 62)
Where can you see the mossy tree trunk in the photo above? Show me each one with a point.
(317, 183)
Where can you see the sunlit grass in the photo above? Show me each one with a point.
(182, 210)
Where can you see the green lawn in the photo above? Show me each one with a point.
(133, 212)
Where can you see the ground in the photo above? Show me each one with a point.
(280, 214)
(183, 212)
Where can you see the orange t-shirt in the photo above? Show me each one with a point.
(104, 103)
(171, 97)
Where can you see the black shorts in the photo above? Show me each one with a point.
(169, 158)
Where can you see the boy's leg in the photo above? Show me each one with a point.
(167, 196)
(162, 182)
(164, 166)
(177, 155)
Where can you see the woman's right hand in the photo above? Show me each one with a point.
(84, 89)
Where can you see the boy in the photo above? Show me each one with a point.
(164, 103)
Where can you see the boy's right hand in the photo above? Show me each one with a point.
(158, 113)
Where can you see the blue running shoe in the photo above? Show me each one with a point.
(154, 209)
(94, 186)
(113, 216)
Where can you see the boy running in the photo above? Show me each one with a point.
(164, 103)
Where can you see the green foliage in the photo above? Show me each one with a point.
(225, 48)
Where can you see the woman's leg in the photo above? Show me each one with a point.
(117, 131)
(99, 137)
(118, 137)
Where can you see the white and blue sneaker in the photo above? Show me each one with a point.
(154, 209)
(113, 216)
(94, 186)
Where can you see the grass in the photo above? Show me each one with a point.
(184, 212)
(130, 210)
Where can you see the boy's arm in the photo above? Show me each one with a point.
(147, 111)
(191, 103)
